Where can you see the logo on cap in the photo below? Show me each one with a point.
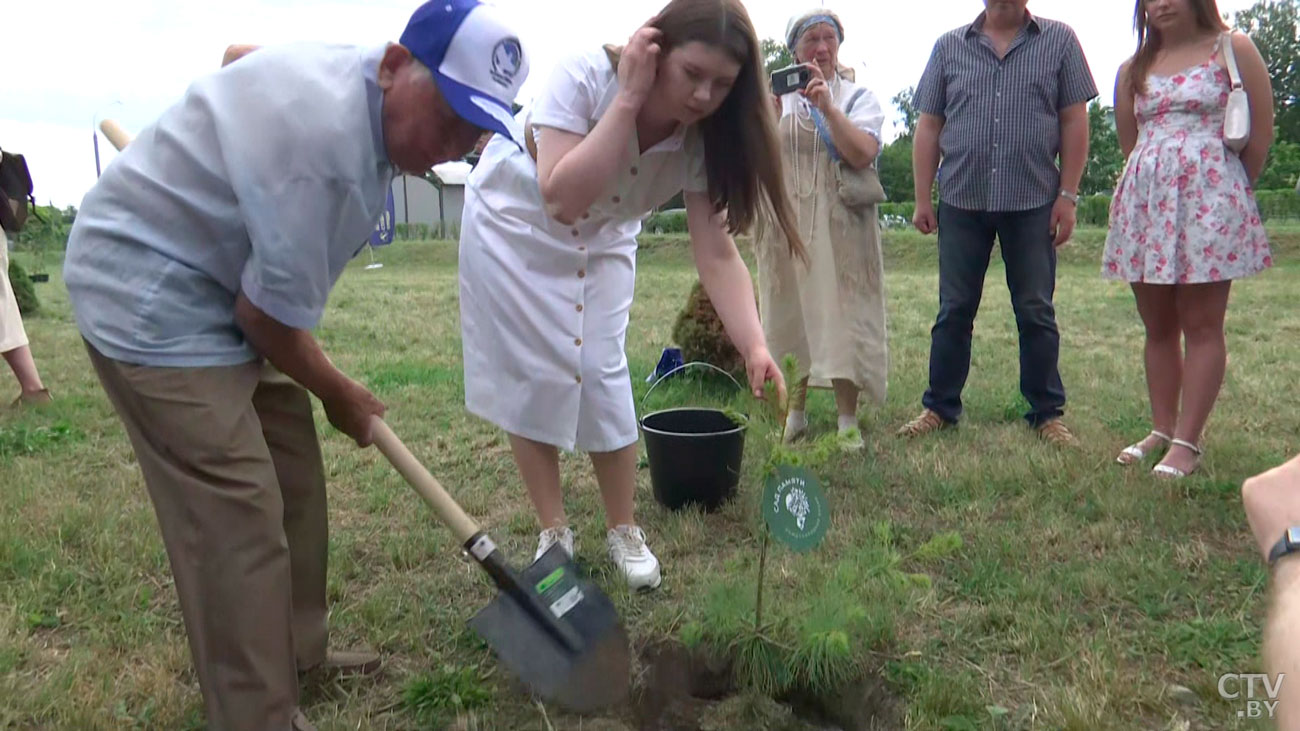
(507, 58)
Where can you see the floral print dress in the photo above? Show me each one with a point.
(1184, 211)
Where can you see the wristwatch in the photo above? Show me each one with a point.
(1072, 197)
(1288, 543)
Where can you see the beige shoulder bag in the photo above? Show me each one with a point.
(857, 188)
(1236, 118)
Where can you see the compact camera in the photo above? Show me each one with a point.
(790, 79)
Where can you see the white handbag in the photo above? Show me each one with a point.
(1236, 118)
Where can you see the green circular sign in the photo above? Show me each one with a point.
(795, 508)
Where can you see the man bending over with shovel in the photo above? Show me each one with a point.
(196, 269)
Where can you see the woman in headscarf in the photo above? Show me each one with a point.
(830, 313)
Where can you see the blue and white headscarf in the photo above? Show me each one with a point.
(800, 24)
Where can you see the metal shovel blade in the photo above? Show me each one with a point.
(593, 675)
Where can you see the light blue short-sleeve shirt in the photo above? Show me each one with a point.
(267, 178)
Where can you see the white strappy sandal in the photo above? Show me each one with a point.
(1173, 473)
(1134, 453)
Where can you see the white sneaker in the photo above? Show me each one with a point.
(549, 537)
(629, 552)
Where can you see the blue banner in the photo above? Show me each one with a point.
(383, 233)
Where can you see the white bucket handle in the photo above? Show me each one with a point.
(683, 367)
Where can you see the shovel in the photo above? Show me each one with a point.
(555, 631)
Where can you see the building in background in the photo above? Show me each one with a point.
(435, 200)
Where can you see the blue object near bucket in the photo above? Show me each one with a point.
(669, 362)
(694, 453)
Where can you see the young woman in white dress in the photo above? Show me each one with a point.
(548, 246)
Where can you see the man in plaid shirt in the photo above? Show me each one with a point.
(1000, 99)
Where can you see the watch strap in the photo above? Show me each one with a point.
(1288, 543)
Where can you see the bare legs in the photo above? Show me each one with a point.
(799, 395)
(616, 473)
(1194, 315)
(539, 465)
(24, 368)
(846, 399)
(1164, 357)
(1201, 310)
(846, 396)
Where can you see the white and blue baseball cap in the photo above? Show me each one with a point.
(475, 57)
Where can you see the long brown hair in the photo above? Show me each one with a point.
(742, 152)
(1149, 41)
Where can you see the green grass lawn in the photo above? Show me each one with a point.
(1078, 594)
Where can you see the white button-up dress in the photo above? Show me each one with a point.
(544, 306)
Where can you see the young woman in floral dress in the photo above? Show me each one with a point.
(1183, 223)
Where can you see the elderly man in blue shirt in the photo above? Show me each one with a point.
(197, 268)
(1000, 99)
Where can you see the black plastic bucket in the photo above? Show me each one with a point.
(694, 455)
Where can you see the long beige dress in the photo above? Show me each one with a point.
(12, 334)
(829, 313)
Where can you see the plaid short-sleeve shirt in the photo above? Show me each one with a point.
(1001, 132)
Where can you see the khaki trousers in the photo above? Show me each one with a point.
(232, 463)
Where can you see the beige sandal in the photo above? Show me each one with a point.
(1165, 472)
(32, 398)
(1133, 453)
(927, 422)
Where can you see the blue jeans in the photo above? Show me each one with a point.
(965, 245)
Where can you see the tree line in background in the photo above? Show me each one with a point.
(47, 228)
(1271, 24)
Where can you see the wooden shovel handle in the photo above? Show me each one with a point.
(461, 525)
